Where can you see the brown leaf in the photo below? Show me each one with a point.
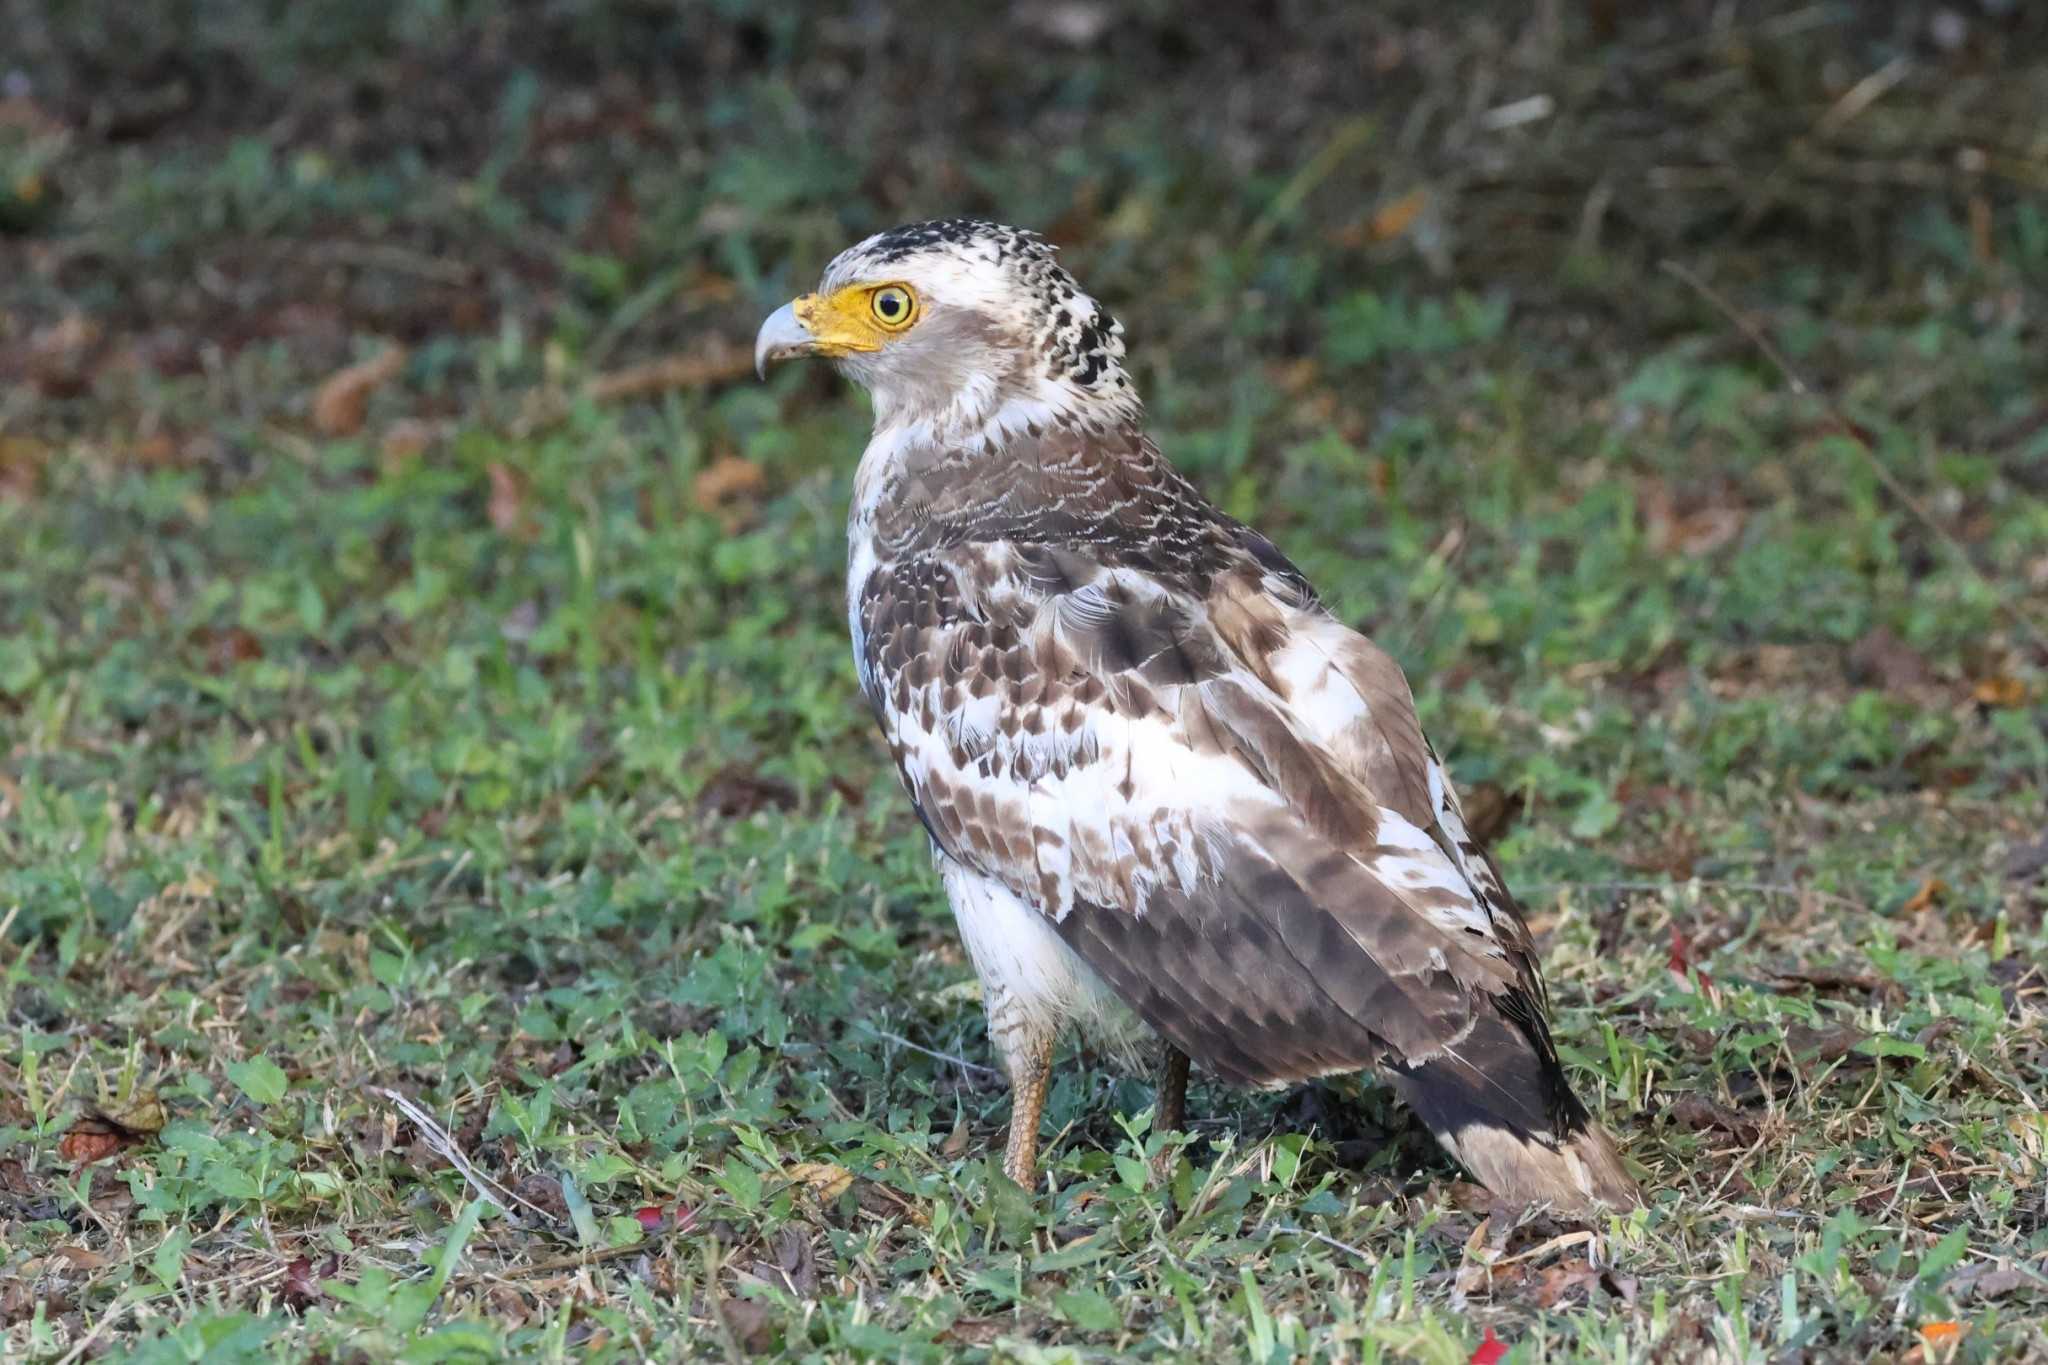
(302, 1283)
(1701, 1114)
(975, 1331)
(506, 506)
(1823, 1044)
(751, 1322)
(725, 479)
(90, 1140)
(1555, 1282)
(1883, 658)
(1489, 810)
(1696, 531)
(141, 1114)
(21, 466)
(81, 1258)
(798, 1260)
(956, 1141)
(403, 442)
(1931, 890)
(344, 398)
(719, 363)
(1989, 1280)
(825, 1180)
(59, 360)
(2000, 691)
(735, 792)
(1391, 220)
(2028, 860)
(1834, 979)
(225, 649)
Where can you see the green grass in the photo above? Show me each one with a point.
(500, 769)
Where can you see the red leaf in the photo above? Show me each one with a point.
(651, 1217)
(1681, 965)
(1490, 1351)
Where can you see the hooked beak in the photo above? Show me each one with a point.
(783, 335)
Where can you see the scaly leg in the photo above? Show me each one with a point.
(1170, 1110)
(1028, 1056)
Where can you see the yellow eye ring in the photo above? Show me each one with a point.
(893, 306)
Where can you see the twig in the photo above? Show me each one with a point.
(1862, 95)
(118, 1309)
(1861, 439)
(1349, 137)
(960, 1062)
(438, 1138)
(1785, 889)
(574, 1261)
(1314, 1236)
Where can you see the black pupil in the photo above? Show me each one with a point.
(890, 304)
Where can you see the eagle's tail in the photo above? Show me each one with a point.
(1500, 1104)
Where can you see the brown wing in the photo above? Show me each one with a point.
(1082, 731)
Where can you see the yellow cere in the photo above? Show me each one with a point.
(860, 318)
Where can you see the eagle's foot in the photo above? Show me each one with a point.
(1029, 1062)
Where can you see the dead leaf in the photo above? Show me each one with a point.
(225, 649)
(344, 398)
(736, 792)
(1883, 658)
(751, 1322)
(60, 357)
(823, 1179)
(798, 1260)
(1826, 1044)
(1555, 1282)
(81, 1258)
(1489, 810)
(90, 1140)
(1832, 979)
(302, 1281)
(956, 1141)
(1391, 220)
(142, 1113)
(726, 478)
(506, 506)
(21, 466)
(1695, 532)
(1989, 1280)
(2028, 860)
(1931, 890)
(719, 363)
(975, 1331)
(403, 442)
(1701, 1114)
(2000, 691)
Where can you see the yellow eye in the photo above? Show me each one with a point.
(894, 306)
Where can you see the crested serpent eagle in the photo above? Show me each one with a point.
(1159, 777)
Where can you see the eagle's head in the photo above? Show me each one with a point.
(958, 323)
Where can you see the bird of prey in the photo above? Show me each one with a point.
(1156, 771)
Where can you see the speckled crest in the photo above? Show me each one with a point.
(1006, 268)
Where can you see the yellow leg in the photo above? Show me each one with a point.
(1030, 1066)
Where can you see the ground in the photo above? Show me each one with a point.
(455, 906)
